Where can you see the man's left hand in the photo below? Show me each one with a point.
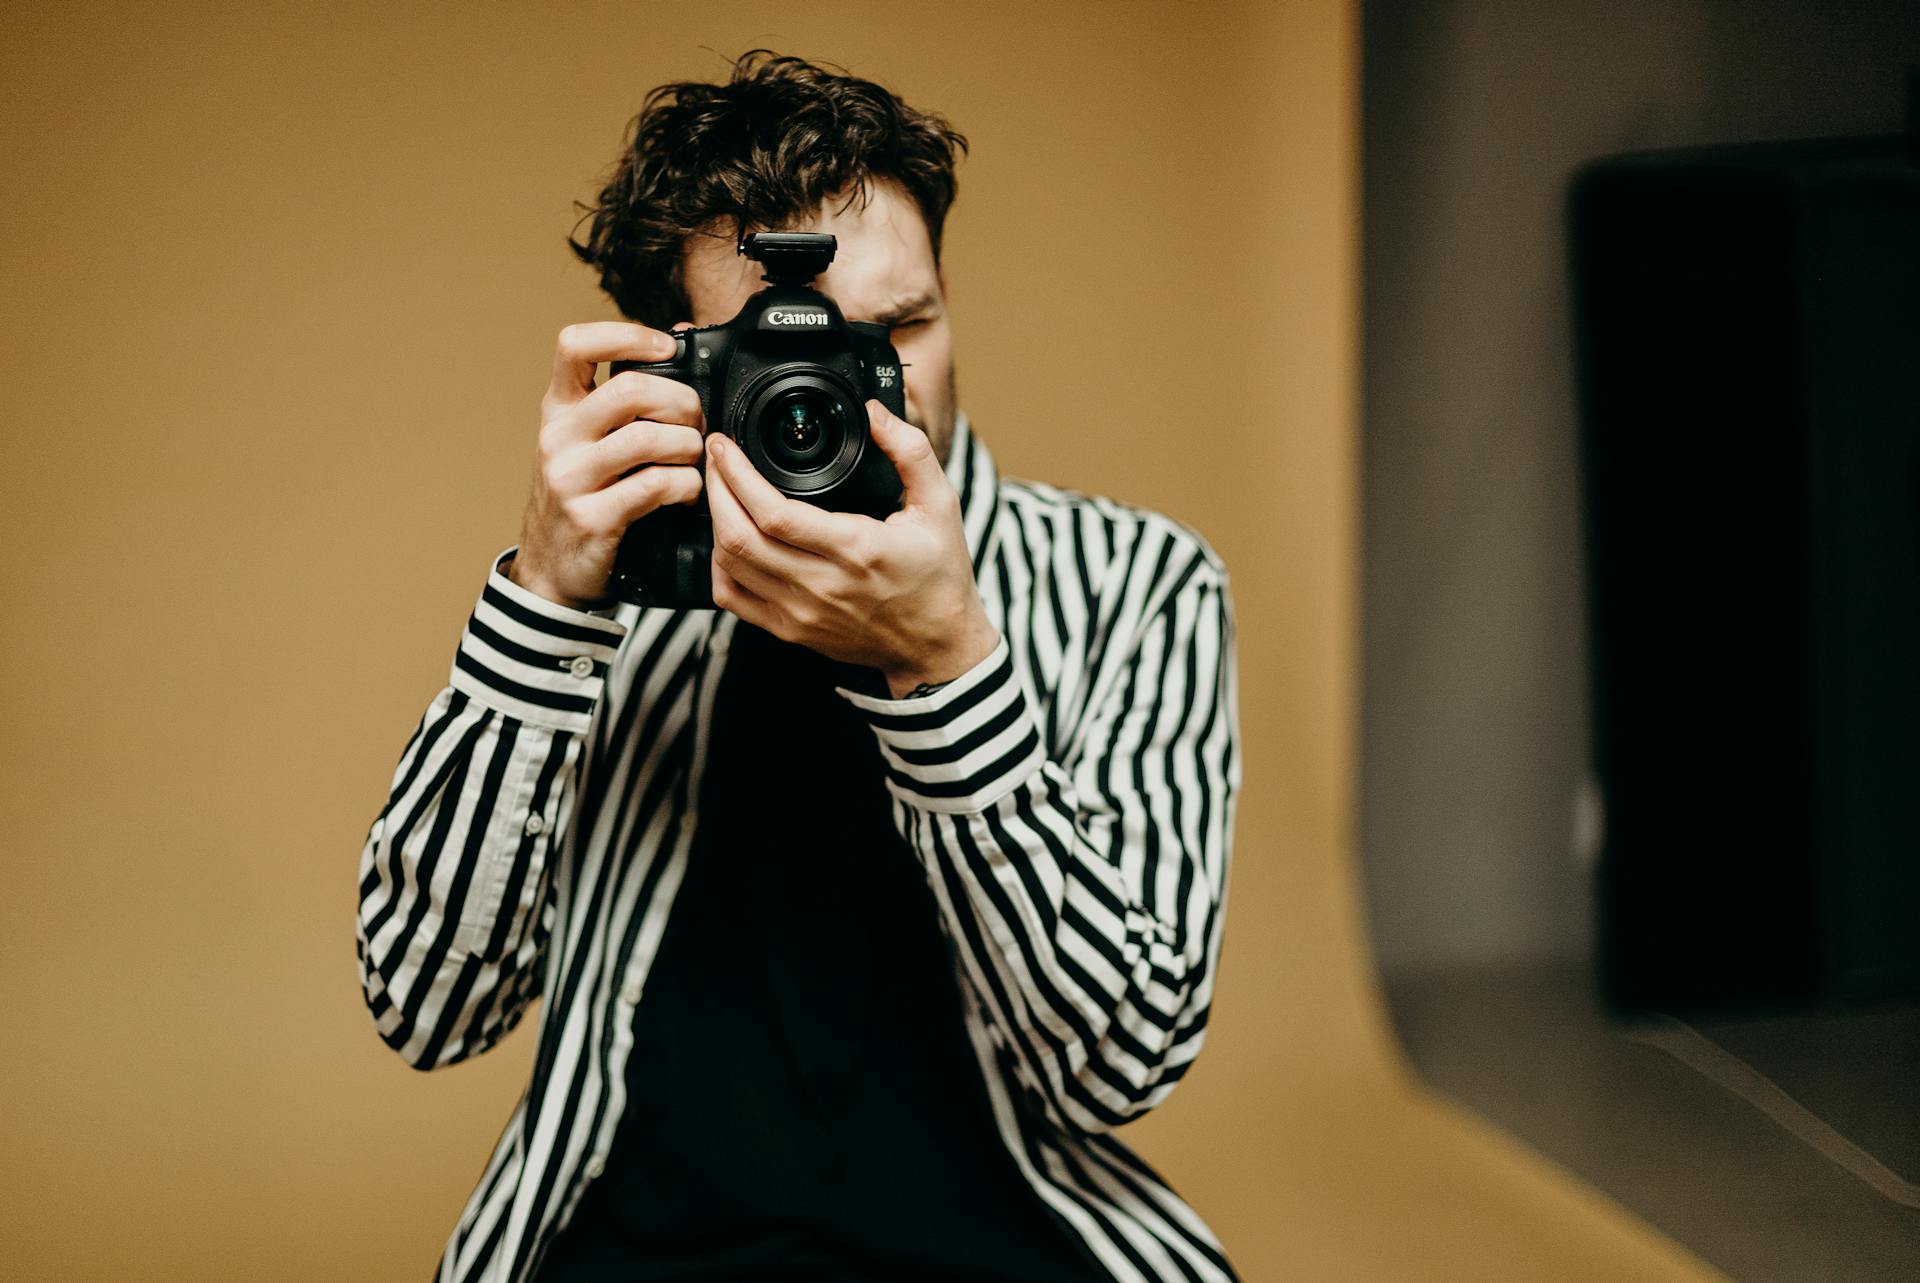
(895, 595)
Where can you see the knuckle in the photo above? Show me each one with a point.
(651, 477)
(633, 442)
(683, 440)
(653, 488)
(574, 513)
(633, 387)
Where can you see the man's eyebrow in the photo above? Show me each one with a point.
(906, 311)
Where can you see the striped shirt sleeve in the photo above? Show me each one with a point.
(454, 870)
(1085, 896)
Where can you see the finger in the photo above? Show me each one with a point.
(790, 521)
(730, 595)
(762, 583)
(619, 505)
(582, 347)
(629, 395)
(635, 445)
(738, 544)
(922, 478)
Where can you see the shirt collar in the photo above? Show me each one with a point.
(971, 470)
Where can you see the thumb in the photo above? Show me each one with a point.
(921, 475)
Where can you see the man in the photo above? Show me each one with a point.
(866, 906)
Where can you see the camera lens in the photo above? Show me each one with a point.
(802, 430)
(802, 427)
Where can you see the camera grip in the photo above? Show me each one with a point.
(689, 364)
(665, 556)
(666, 559)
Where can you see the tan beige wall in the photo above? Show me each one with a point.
(281, 285)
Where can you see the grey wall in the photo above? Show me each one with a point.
(1474, 704)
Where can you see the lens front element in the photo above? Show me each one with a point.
(802, 430)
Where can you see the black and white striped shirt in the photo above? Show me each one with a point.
(1071, 800)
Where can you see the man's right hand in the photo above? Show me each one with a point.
(607, 456)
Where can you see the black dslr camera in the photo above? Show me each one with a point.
(788, 380)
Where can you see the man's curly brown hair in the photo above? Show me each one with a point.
(761, 151)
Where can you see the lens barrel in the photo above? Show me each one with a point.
(796, 426)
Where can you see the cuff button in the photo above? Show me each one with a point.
(582, 666)
(535, 823)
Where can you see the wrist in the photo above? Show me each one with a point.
(536, 584)
(963, 650)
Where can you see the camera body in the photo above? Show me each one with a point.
(788, 379)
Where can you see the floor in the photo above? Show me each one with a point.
(1778, 1147)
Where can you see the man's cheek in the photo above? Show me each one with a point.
(914, 415)
(924, 399)
(925, 370)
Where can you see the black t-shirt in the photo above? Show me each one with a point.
(804, 1101)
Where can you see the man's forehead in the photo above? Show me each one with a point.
(883, 260)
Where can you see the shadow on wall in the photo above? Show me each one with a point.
(1475, 726)
(1477, 822)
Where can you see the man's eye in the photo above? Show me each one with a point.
(908, 325)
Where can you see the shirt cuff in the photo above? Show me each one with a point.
(535, 659)
(965, 746)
